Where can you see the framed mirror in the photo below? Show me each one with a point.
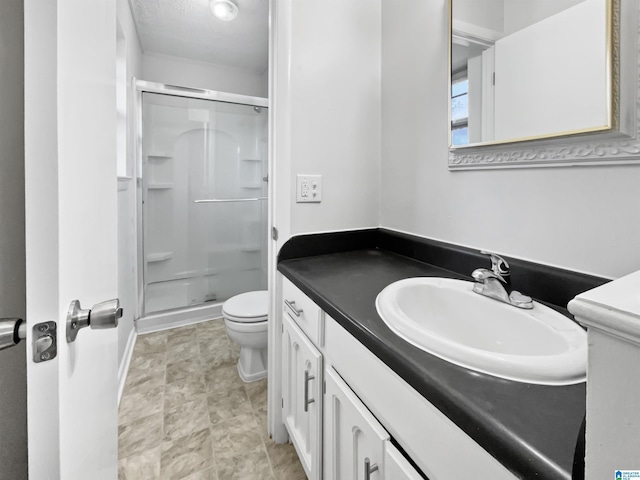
(543, 82)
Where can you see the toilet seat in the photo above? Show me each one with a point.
(250, 307)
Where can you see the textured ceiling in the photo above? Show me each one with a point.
(188, 29)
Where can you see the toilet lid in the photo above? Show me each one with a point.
(247, 306)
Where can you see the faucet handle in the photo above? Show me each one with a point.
(499, 265)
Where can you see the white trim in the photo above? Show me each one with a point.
(279, 188)
(465, 34)
(123, 370)
(201, 93)
(123, 183)
(181, 317)
(613, 308)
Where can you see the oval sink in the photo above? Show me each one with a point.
(446, 318)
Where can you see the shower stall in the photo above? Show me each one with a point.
(203, 189)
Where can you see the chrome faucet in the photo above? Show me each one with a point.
(496, 283)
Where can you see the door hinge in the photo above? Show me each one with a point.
(274, 233)
(493, 79)
(324, 387)
(282, 402)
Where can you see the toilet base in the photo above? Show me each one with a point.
(252, 365)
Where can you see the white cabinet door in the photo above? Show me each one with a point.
(302, 396)
(396, 467)
(353, 439)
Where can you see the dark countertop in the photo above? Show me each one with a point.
(531, 429)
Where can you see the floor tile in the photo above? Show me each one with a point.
(144, 465)
(211, 331)
(151, 342)
(140, 404)
(285, 462)
(149, 360)
(217, 355)
(141, 379)
(183, 456)
(229, 404)
(183, 351)
(186, 419)
(179, 336)
(260, 415)
(257, 392)
(183, 390)
(238, 434)
(208, 474)
(250, 465)
(221, 379)
(139, 435)
(186, 414)
(182, 369)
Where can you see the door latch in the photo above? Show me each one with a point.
(45, 345)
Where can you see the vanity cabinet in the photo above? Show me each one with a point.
(341, 405)
(302, 396)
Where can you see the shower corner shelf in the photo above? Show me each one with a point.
(251, 159)
(159, 156)
(159, 257)
(160, 186)
(250, 248)
(252, 186)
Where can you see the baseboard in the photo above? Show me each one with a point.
(179, 318)
(126, 361)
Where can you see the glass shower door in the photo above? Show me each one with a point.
(204, 193)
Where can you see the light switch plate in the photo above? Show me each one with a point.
(308, 188)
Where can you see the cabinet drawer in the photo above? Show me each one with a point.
(301, 309)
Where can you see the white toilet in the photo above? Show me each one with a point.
(245, 318)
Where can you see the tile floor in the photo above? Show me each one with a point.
(185, 413)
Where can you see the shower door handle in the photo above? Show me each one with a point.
(101, 315)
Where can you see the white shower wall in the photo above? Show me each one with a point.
(199, 253)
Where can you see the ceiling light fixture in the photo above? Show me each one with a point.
(225, 10)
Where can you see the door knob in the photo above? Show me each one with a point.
(12, 330)
(102, 315)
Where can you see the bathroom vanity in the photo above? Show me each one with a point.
(360, 402)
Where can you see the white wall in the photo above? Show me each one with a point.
(584, 219)
(518, 15)
(191, 73)
(328, 99)
(127, 249)
(487, 14)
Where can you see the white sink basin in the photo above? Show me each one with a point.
(446, 318)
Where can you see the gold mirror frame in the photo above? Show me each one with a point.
(619, 144)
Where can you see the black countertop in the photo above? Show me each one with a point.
(531, 429)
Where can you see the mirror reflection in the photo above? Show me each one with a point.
(527, 69)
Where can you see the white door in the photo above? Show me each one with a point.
(302, 396)
(396, 467)
(353, 439)
(71, 243)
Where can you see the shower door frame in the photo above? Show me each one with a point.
(141, 87)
